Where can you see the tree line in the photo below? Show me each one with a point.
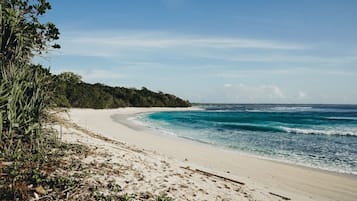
(71, 91)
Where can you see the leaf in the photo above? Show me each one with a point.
(40, 190)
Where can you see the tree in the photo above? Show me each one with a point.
(22, 32)
(69, 77)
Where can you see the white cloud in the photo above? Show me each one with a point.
(274, 57)
(93, 75)
(301, 95)
(301, 71)
(241, 93)
(116, 44)
(108, 44)
(227, 85)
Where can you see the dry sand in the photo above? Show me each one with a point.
(162, 159)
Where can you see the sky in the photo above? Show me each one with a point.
(210, 51)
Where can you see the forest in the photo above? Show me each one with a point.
(71, 91)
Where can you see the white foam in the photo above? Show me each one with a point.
(321, 132)
(136, 120)
(281, 109)
(342, 118)
(141, 120)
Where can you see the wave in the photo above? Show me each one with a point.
(281, 109)
(342, 118)
(318, 132)
(284, 129)
(293, 109)
(257, 108)
(250, 127)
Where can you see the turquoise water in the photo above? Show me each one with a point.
(321, 136)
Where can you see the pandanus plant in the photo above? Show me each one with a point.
(24, 93)
(24, 88)
(23, 102)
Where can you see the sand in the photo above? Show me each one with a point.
(162, 160)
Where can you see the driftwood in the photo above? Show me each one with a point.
(280, 196)
(213, 175)
(228, 179)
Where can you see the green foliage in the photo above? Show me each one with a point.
(99, 196)
(23, 103)
(32, 169)
(72, 92)
(126, 197)
(163, 197)
(24, 88)
(22, 32)
(24, 96)
(69, 77)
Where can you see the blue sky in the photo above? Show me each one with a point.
(228, 51)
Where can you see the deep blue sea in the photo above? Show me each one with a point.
(320, 136)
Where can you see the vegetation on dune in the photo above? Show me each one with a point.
(72, 92)
(26, 147)
(24, 87)
(31, 156)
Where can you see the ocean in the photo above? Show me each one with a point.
(319, 136)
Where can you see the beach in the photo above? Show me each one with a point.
(207, 173)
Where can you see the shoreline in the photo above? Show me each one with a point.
(136, 126)
(293, 180)
(140, 126)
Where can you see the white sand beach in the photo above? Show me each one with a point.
(189, 170)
